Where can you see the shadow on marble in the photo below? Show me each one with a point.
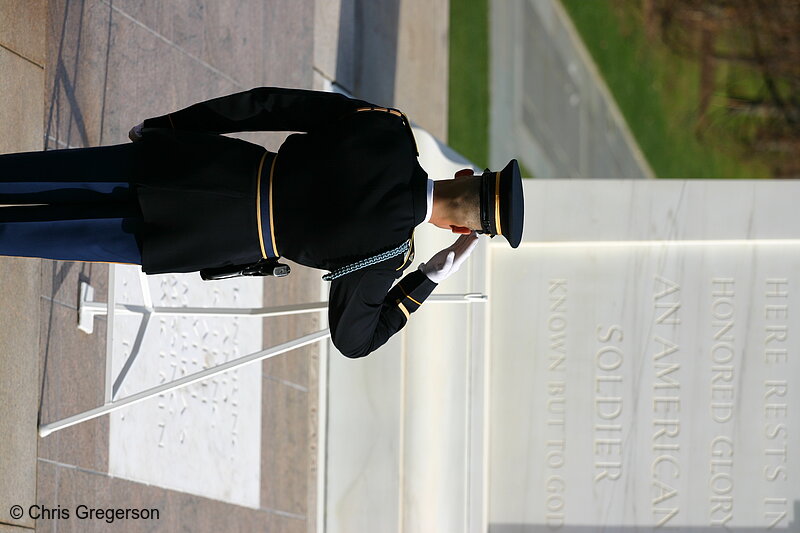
(367, 49)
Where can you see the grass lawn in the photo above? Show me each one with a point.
(657, 92)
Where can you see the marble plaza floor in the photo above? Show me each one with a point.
(78, 73)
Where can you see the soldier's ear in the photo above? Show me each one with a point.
(461, 230)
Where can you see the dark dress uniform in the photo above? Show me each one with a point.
(347, 188)
(84, 205)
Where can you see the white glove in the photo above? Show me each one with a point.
(136, 132)
(447, 262)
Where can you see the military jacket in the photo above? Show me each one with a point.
(346, 187)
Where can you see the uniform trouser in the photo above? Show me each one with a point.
(74, 205)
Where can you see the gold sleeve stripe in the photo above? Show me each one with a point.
(258, 206)
(394, 112)
(169, 116)
(407, 296)
(404, 310)
(497, 203)
(271, 218)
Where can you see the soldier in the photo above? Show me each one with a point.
(344, 195)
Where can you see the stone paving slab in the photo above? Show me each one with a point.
(23, 31)
(73, 371)
(19, 329)
(176, 511)
(22, 84)
(4, 528)
(24, 80)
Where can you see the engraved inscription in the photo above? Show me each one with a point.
(722, 394)
(660, 391)
(212, 423)
(666, 466)
(608, 408)
(555, 484)
(776, 408)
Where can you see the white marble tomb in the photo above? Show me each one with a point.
(645, 359)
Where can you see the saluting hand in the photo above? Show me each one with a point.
(446, 262)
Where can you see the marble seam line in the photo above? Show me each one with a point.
(53, 300)
(18, 54)
(287, 383)
(73, 467)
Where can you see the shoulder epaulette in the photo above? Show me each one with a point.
(402, 116)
